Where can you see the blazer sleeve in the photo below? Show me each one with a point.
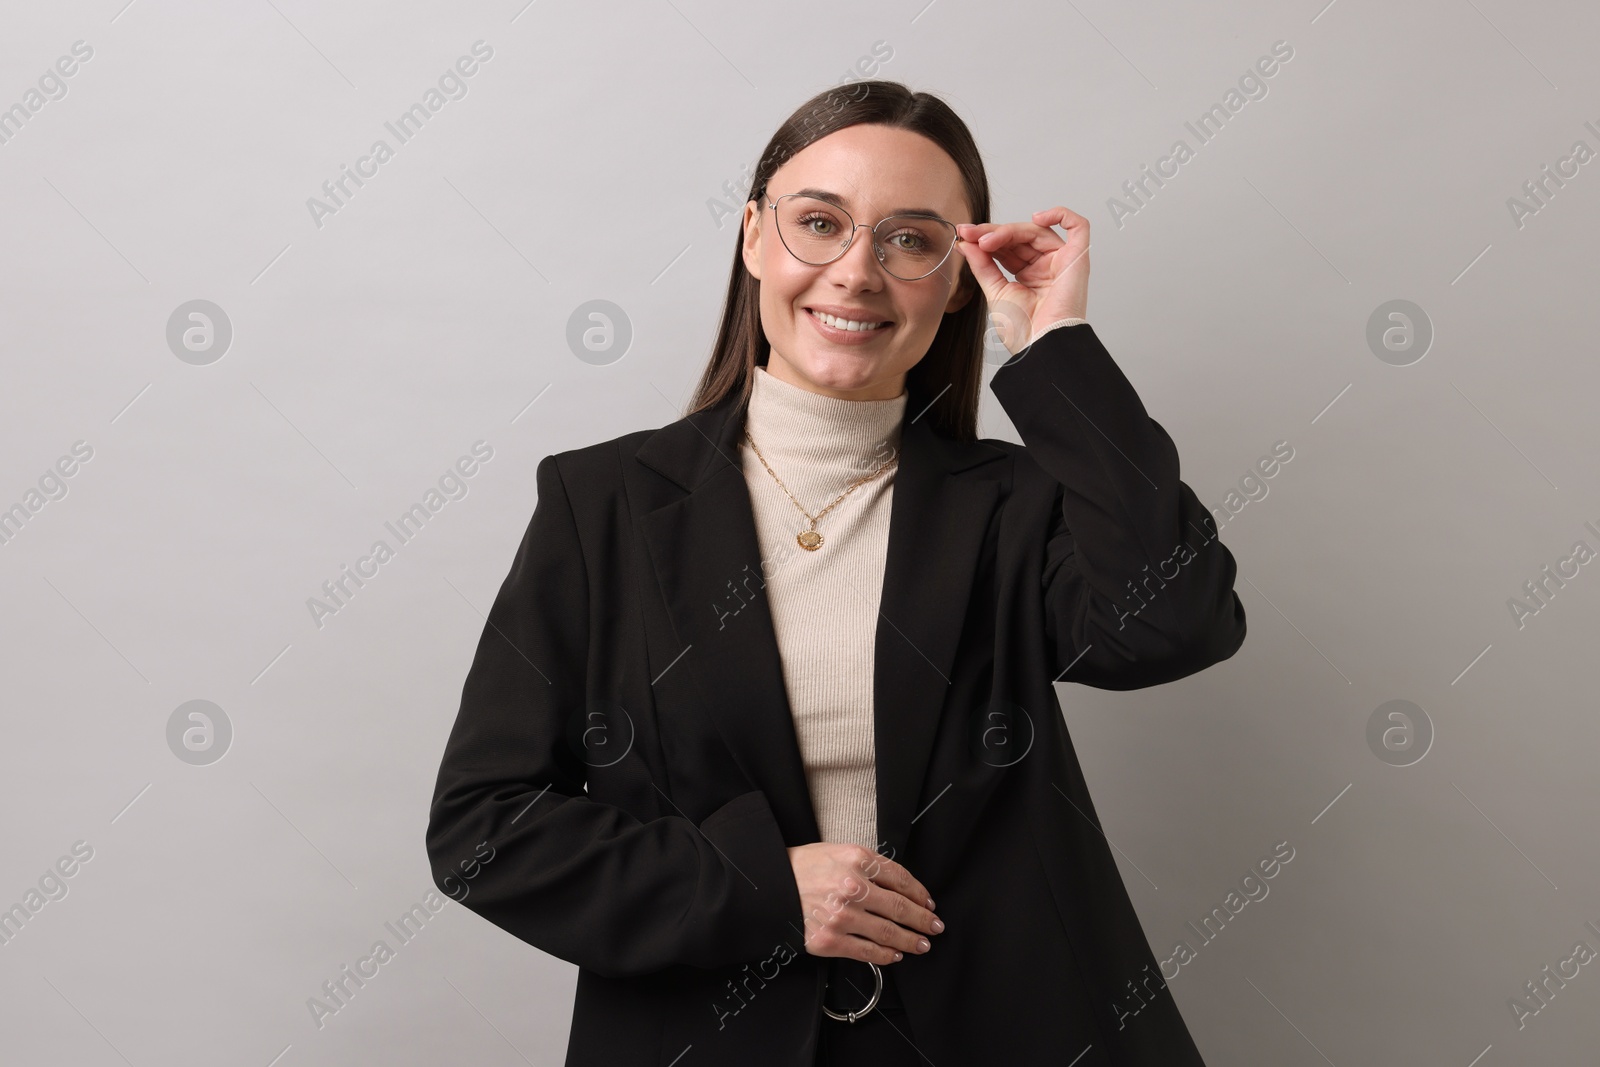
(513, 835)
(1137, 588)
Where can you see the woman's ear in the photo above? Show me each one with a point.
(966, 287)
(752, 230)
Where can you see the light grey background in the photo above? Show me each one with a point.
(432, 311)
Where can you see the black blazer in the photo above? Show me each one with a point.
(623, 777)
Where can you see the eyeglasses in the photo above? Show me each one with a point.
(817, 232)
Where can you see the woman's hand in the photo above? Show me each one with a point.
(1052, 275)
(860, 905)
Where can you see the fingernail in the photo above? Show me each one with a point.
(930, 903)
(922, 944)
(898, 957)
(938, 926)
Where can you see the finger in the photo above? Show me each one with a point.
(1031, 235)
(910, 919)
(1002, 237)
(1018, 245)
(1060, 216)
(1076, 225)
(852, 947)
(988, 275)
(1058, 212)
(870, 921)
(837, 938)
(902, 899)
(895, 876)
(855, 931)
(1015, 259)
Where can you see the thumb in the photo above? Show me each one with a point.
(984, 269)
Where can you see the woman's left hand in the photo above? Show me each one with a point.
(1052, 274)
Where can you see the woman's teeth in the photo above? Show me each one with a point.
(845, 324)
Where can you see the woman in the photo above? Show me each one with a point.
(761, 733)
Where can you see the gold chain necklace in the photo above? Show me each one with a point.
(809, 538)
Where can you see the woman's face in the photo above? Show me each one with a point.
(875, 171)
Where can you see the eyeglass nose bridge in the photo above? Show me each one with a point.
(877, 248)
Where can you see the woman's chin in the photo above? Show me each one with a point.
(843, 385)
(843, 370)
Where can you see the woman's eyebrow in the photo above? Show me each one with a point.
(838, 201)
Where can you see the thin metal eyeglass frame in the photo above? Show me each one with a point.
(877, 248)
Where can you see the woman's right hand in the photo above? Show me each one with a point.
(861, 905)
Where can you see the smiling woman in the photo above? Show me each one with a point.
(851, 821)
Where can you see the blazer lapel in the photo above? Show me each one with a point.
(708, 562)
(937, 522)
(704, 548)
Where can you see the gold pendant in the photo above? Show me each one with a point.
(809, 540)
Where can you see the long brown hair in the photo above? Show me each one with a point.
(952, 368)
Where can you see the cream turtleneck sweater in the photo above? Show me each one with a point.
(824, 603)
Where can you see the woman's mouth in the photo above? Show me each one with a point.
(847, 331)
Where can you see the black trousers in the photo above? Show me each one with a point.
(880, 1039)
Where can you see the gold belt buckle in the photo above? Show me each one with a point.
(852, 1016)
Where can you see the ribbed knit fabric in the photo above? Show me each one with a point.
(1053, 325)
(824, 603)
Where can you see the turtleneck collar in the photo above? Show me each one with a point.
(798, 428)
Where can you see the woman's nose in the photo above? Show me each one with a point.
(861, 245)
